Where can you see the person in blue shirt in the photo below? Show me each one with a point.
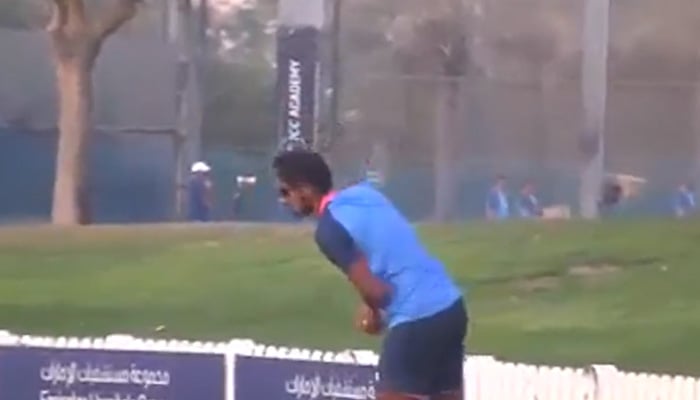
(528, 204)
(497, 206)
(406, 292)
(684, 201)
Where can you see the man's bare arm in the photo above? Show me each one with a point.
(340, 248)
(374, 292)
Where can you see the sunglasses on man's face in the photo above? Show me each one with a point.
(283, 192)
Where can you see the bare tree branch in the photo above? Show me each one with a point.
(59, 16)
(114, 18)
(76, 13)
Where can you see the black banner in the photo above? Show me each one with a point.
(297, 66)
(272, 379)
(60, 374)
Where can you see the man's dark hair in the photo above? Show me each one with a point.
(299, 167)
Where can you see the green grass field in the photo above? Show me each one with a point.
(627, 293)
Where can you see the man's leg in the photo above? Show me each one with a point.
(406, 369)
(424, 358)
(449, 383)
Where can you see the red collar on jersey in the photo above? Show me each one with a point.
(324, 202)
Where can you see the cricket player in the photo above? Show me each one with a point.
(406, 292)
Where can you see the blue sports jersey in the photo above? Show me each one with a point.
(360, 222)
(497, 203)
(684, 201)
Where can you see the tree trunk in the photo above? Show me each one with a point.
(76, 41)
(70, 195)
(545, 132)
(696, 137)
(447, 114)
(594, 89)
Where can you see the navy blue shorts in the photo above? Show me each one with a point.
(425, 357)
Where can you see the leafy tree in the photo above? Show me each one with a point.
(239, 106)
(434, 39)
(240, 80)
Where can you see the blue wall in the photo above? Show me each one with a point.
(132, 181)
(131, 177)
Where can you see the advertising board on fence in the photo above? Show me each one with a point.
(271, 379)
(58, 374)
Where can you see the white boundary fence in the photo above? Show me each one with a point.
(121, 367)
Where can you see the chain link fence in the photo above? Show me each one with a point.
(436, 100)
(420, 110)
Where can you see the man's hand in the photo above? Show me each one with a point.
(368, 320)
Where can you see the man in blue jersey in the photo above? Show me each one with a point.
(528, 204)
(405, 290)
(497, 204)
(684, 203)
